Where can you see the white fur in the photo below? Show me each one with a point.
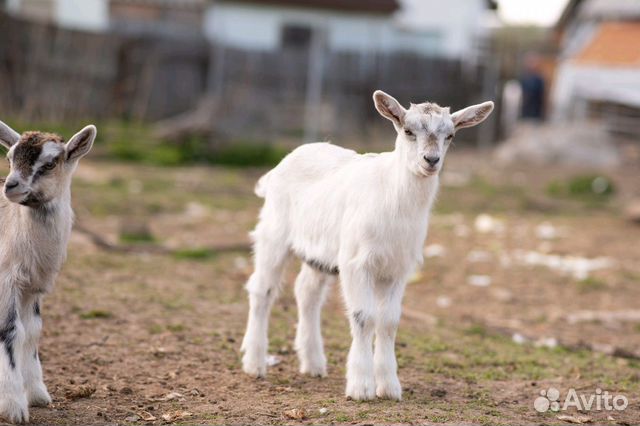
(367, 215)
(33, 247)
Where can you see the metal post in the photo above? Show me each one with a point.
(313, 97)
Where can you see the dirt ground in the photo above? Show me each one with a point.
(501, 310)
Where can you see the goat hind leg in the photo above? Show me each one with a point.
(311, 289)
(263, 287)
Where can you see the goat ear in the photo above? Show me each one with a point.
(389, 107)
(8, 136)
(81, 143)
(472, 116)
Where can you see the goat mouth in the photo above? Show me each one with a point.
(429, 172)
(31, 200)
(17, 197)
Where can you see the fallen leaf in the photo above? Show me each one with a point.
(171, 396)
(161, 352)
(575, 419)
(82, 391)
(295, 414)
(176, 415)
(147, 416)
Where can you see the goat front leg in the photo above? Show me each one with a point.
(37, 394)
(386, 367)
(263, 287)
(311, 289)
(13, 400)
(357, 289)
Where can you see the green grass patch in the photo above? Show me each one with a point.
(590, 189)
(96, 314)
(176, 328)
(155, 329)
(591, 284)
(194, 254)
(136, 142)
(247, 153)
(141, 237)
(476, 330)
(481, 195)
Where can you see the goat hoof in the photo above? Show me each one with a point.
(361, 390)
(316, 371)
(389, 390)
(38, 396)
(253, 367)
(14, 409)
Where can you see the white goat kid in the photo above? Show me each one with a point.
(363, 217)
(35, 223)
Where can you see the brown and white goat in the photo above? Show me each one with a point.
(35, 223)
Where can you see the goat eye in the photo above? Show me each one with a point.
(50, 165)
(408, 133)
(450, 137)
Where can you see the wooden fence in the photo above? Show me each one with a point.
(265, 93)
(53, 74)
(49, 73)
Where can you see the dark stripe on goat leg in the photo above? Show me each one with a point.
(318, 265)
(358, 317)
(8, 335)
(324, 268)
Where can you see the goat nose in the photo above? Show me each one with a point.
(431, 160)
(10, 184)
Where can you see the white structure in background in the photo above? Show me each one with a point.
(458, 24)
(87, 15)
(425, 27)
(599, 57)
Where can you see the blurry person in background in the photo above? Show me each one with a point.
(533, 88)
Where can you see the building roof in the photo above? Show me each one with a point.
(614, 44)
(375, 6)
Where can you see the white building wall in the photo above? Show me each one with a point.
(460, 22)
(575, 84)
(89, 15)
(259, 28)
(13, 6)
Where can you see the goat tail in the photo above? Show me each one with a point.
(261, 187)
